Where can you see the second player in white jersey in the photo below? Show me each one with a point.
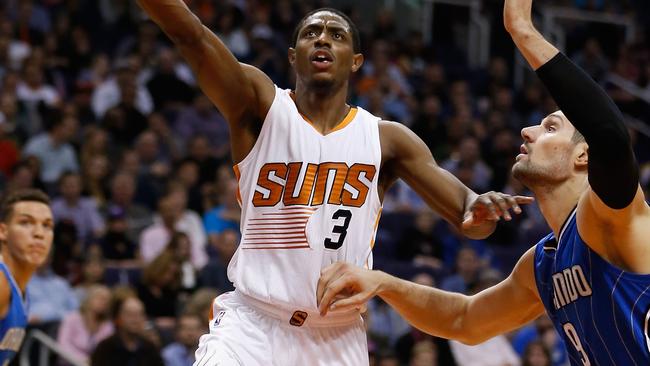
(308, 200)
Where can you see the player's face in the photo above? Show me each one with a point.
(324, 54)
(28, 233)
(548, 153)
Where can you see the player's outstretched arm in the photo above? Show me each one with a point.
(242, 93)
(406, 156)
(469, 319)
(615, 196)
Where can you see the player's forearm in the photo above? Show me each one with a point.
(175, 19)
(433, 311)
(613, 173)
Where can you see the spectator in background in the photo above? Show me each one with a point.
(227, 213)
(50, 298)
(166, 88)
(82, 330)
(200, 150)
(34, 94)
(92, 273)
(496, 351)
(181, 352)
(155, 237)
(159, 290)
(425, 353)
(53, 149)
(82, 211)
(109, 93)
(215, 273)
(95, 174)
(8, 150)
(468, 271)
(117, 248)
(591, 59)
(203, 120)
(468, 159)
(122, 192)
(536, 354)
(181, 248)
(127, 346)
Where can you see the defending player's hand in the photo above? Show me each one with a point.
(346, 287)
(492, 206)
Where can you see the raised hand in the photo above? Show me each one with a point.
(492, 206)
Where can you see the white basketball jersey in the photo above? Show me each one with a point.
(308, 200)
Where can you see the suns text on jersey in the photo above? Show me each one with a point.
(569, 285)
(348, 185)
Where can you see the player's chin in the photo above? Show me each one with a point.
(37, 258)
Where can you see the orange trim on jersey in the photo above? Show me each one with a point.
(238, 175)
(212, 309)
(372, 242)
(341, 125)
(346, 121)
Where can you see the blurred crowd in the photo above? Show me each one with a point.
(99, 110)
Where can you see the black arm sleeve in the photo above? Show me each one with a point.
(613, 171)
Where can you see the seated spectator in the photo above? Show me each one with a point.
(424, 353)
(227, 213)
(215, 273)
(159, 290)
(53, 150)
(122, 192)
(50, 297)
(92, 273)
(180, 247)
(82, 330)
(82, 211)
(203, 119)
(181, 352)
(128, 345)
(200, 303)
(467, 163)
(117, 248)
(468, 270)
(536, 354)
(174, 216)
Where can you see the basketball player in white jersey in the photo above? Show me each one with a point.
(310, 188)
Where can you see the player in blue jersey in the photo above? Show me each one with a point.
(592, 273)
(26, 232)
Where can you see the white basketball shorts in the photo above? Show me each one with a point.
(247, 332)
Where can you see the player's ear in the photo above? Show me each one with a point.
(3, 231)
(357, 61)
(582, 155)
(292, 56)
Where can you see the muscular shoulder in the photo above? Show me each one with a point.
(524, 272)
(398, 140)
(5, 294)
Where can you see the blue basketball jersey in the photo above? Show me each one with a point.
(12, 326)
(601, 312)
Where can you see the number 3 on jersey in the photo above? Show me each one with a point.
(571, 333)
(342, 229)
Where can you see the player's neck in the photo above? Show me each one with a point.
(324, 110)
(558, 202)
(20, 273)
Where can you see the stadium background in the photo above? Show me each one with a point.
(98, 109)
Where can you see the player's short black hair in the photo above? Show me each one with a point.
(21, 195)
(356, 38)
